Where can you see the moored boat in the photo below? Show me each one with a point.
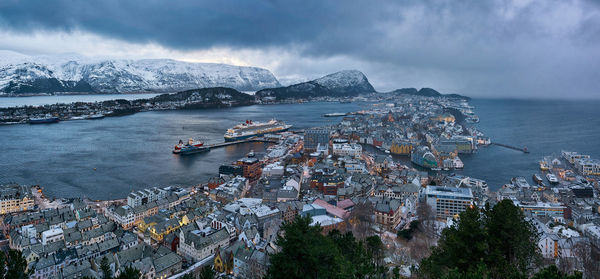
(44, 120)
(178, 147)
(537, 179)
(552, 178)
(255, 129)
(190, 149)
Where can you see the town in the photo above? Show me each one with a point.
(344, 177)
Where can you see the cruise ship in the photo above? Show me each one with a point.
(252, 129)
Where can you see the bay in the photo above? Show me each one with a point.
(108, 158)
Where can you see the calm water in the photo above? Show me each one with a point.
(545, 126)
(65, 99)
(108, 158)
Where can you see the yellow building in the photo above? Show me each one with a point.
(446, 117)
(15, 198)
(401, 148)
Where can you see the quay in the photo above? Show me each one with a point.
(253, 139)
(524, 149)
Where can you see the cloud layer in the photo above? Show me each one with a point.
(527, 48)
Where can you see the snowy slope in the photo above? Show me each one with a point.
(339, 84)
(347, 80)
(20, 73)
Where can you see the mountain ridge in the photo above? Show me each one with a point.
(50, 74)
(339, 84)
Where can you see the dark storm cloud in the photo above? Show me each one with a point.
(495, 48)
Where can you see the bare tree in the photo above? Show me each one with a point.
(582, 250)
(426, 218)
(361, 219)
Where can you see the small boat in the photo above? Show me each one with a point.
(436, 169)
(537, 179)
(96, 116)
(520, 182)
(190, 142)
(544, 165)
(552, 178)
(250, 154)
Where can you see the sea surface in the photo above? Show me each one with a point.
(108, 158)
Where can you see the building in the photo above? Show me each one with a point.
(251, 167)
(197, 245)
(537, 208)
(401, 148)
(588, 166)
(52, 235)
(347, 149)
(327, 181)
(388, 212)
(448, 201)
(145, 196)
(15, 198)
(314, 138)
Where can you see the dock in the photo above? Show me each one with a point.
(524, 149)
(253, 139)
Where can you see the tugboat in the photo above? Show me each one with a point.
(537, 179)
(190, 147)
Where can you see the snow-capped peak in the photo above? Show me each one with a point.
(18, 71)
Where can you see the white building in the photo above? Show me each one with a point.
(197, 245)
(448, 201)
(145, 196)
(347, 149)
(52, 235)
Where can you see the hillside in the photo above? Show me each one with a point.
(427, 92)
(339, 84)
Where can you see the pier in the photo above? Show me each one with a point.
(524, 149)
(253, 139)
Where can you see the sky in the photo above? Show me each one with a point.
(492, 48)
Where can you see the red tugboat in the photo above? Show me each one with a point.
(191, 142)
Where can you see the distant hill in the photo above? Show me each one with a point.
(204, 97)
(427, 92)
(340, 84)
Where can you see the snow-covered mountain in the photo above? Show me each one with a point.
(71, 73)
(346, 81)
(339, 84)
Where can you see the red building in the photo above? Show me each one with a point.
(252, 168)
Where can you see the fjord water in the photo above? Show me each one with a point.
(545, 127)
(107, 158)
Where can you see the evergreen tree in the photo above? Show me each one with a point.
(2, 264)
(15, 265)
(497, 241)
(305, 253)
(105, 267)
(207, 273)
(130, 273)
(552, 272)
(188, 276)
